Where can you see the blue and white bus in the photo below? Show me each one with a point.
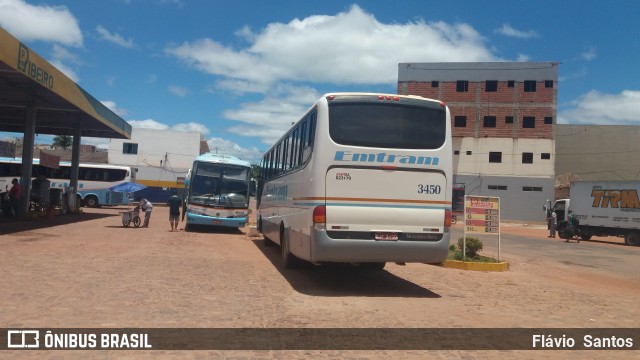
(94, 180)
(361, 178)
(217, 191)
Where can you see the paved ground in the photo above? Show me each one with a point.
(93, 272)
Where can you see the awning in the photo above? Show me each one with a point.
(28, 81)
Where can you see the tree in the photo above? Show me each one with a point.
(63, 141)
(255, 171)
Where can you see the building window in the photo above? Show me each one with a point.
(529, 122)
(435, 84)
(545, 156)
(548, 120)
(548, 84)
(460, 121)
(497, 187)
(511, 83)
(456, 152)
(531, 188)
(469, 153)
(489, 121)
(529, 86)
(129, 148)
(491, 85)
(495, 157)
(527, 158)
(508, 119)
(462, 86)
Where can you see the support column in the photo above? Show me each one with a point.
(27, 159)
(75, 166)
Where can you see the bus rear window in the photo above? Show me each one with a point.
(387, 125)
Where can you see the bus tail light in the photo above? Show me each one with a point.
(320, 217)
(388, 97)
(447, 218)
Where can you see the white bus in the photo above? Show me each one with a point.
(94, 180)
(361, 178)
(217, 191)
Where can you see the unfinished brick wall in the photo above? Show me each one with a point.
(476, 104)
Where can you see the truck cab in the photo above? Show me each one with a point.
(560, 207)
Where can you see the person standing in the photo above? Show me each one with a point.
(175, 203)
(147, 207)
(553, 222)
(14, 196)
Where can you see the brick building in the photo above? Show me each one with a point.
(502, 119)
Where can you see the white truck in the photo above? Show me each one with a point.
(600, 208)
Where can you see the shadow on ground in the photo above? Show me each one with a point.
(14, 225)
(342, 279)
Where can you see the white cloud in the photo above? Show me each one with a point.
(190, 127)
(219, 145)
(351, 48)
(148, 124)
(117, 39)
(185, 127)
(70, 73)
(100, 143)
(348, 48)
(61, 53)
(589, 55)
(111, 105)
(270, 117)
(226, 147)
(507, 30)
(604, 109)
(178, 90)
(40, 23)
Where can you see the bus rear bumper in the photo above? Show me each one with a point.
(195, 219)
(326, 249)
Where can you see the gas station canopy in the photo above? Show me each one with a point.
(29, 83)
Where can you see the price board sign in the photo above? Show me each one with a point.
(482, 215)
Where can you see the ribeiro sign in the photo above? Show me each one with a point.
(32, 69)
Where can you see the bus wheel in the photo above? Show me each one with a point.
(632, 239)
(267, 241)
(91, 201)
(289, 260)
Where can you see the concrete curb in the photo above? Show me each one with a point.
(476, 266)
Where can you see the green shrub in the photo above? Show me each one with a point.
(473, 247)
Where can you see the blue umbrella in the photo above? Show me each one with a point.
(127, 187)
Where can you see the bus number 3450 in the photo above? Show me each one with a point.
(428, 189)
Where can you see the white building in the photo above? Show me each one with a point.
(161, 158)
(502, 120)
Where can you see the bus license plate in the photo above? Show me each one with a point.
(386, 236)
(217, 222)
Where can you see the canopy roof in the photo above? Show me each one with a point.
(28, 81)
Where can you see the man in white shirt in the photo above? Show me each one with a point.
(553, 222)
(147, 207)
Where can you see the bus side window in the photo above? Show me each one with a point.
(303, 134)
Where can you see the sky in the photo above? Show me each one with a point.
(242, 71)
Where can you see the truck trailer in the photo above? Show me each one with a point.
(600, 208)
